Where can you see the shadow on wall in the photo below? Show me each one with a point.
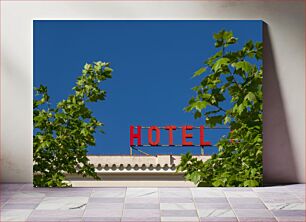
(278, 160)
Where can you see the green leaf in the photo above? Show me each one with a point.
(87, 67)
(250, 96)
(241, 108)
(197, 115)
(107, 69)
(199, 72)
(194, 177)
(232, 40)
(217, 183)
(249, 45)
(214, 120)
(218, 43)
(211, 60)
(227, 36)
(227, 119)
(199, 105)
(250, 183)
(205, 96)
(220, 63)
(243, 65)
(219, 35)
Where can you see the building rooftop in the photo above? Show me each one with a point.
(134, 164)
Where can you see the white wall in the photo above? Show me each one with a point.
(284, 84)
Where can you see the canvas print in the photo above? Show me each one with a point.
(163, 102)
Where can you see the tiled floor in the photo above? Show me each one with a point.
(21, 202)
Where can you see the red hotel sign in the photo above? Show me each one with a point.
(156, 131)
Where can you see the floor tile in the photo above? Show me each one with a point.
(10, 187)
(17, 200)
(3, 200)
(289, 213)
(103, 213)
(280, 200)
(140, 219)
(253, 219)
(291, 219)
(57, 213)
(210, 200)
(176, 200)
(100, 205)
(62, 203)
(97, 189)
(253, 213)
(101, 219)
(19, 206)
(177, 219)
(244, 200)
(178, 213)
(285, 206)
(275, 194)
(246, 203)
(141, 192)
(207, 192)
(213, 206)
(15, 214)
(175, 189)
(216, 213)
(141, 206)
(177, 206)
(249, 206)
(55, 219)
(242, 205)
(274, 189)
(27, 194)
(300, 195)
(240, 194)
(218, 219)
(28, 187)
(141, 200)
(272, 197)
(63, 193)
(109, 192)
(295, 187)
(243, 189)
(142, 213)
(105, 200)
(174, 192)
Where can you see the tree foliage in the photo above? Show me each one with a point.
(63, 133)
(235, 76)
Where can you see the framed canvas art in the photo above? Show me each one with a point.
(150, 101)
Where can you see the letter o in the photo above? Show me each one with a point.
(157, 139)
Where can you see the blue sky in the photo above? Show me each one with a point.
(153, 62)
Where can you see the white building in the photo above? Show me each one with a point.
(136, 170)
